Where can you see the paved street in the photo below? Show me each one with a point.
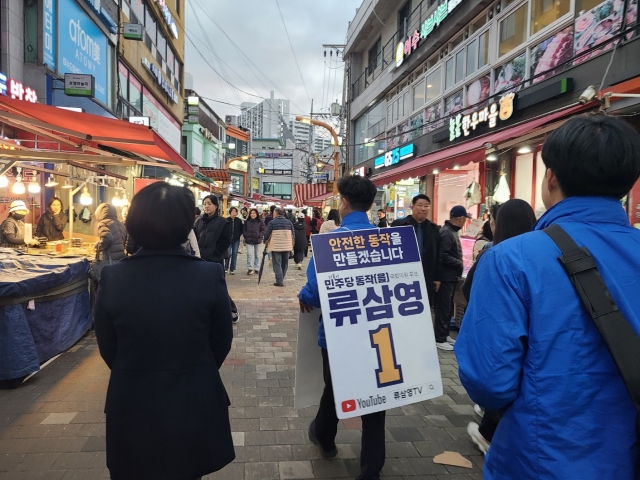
(53, 426)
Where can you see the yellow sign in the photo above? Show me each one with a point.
(506, 106)
(399, 54)
(255, 184)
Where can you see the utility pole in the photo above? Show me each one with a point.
(310, 157)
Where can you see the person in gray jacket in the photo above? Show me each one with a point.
(112, 234)
(279, 237)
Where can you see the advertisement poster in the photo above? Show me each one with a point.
(432, 117)
(479, 91)
(403, 130)
(82, 46)
(546, 56)
(510, 74)
(416, 126)
(49, 34)
(377, 320)
(392, 139)
(453, 104)
(596, 26)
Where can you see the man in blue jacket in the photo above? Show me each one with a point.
(529, 348)
(356, 198)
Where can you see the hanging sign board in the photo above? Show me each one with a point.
(132, 31)
(377, 320)
(140, 121)
(464, 124)
(79, 85)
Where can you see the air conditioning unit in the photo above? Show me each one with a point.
(231, 120)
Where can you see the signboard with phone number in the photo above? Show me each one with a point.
(377, 320)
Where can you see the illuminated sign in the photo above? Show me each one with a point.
(132, 31)
(165, 84)
(406, 47)
(360, 171)
(16, 90)
(463, 124)
(394, 156)
(166, 14)
(140, 121)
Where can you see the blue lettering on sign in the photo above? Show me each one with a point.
(49, 34)
(394, 156)
(378, 162)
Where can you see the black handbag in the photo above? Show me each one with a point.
(618, 335)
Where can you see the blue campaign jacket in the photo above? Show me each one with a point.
(527, 345)
(309, 293)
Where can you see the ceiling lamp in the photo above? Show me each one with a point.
(436, 171)
(52, 182)
(492, 157)
(4, 181)
(67, 184)
(18, 188)
(116, 201)
(85, 197)
(456, 167)
(125, 201)
(524, 149)
(34, 186)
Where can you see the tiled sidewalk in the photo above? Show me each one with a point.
(52, 427)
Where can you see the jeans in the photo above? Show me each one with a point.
(444, 309)
(280, 265)
(253, 256)
(373, 446)
(233, 256)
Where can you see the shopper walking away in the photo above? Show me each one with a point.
(382, 218)
(356, 197)
(112, 236)
(316, 222)
(12, 228)
(290, 216)
(279, 236)
(301, 241)
(53, 221)
(333, 221)
(484, 237)
(516, 217)
(529, 347)
(235, 224)
(269, 216)
(253, 231)
(452, 267)
(307, 222)
(428, 235)
(167, 410)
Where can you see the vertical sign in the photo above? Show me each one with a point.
(49, 37)
(377, 320)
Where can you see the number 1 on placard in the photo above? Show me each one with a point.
(389, 372)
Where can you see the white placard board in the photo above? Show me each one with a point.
(28, 233)
(309, 380)
(377, 320)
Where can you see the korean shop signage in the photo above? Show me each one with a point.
(462, 125)
(376, 316)
(161, 80)
(166, 15)
(49, 35)
(408, 46)
(79, 85)
(16, 90)
(394, 156)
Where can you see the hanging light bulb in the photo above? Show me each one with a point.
(4, 181)
(34, 186)
(85, 197)
(124, 201)
(18, 188)
(116, 201)
(67, 184)
(52, 182)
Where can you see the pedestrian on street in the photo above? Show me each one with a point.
(516, 217)
(530, 348)
(235, 225)
(167, 411)
(428, 235)
(484, 237)
(452, 267)
(244, 215)
(333, 221)
(307, 222)
(356, 197)
(316, 222)
(301, 241)
(382, 218)
(290, 216)
(269, 216)
(112, 236)
(53, 221)
(279, 236)
(213, 232)
(253, 231)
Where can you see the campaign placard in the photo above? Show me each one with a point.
(377, 319)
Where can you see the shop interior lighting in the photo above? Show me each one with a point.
(456, 167)
(436, 171)
(52, 182)
(116, 201)
(125, 201)
(85, 197)
(492, 157)
(524, 149)
(34, 186)
(4, 181)
(67, 184)
(18, 188)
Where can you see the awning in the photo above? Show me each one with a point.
(303, 191)
(216, 174)
(109, 132)
(470, 151)
(319, 200)
(267, 199)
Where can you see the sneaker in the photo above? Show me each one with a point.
(332, 452)
(479, 410)
(450, 341)
(271, 263)
(233, 273)
(444, 346)
(476, 437)
(278, 284)
(250, 272)
(235, 316)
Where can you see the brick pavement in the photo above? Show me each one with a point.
(52, 427)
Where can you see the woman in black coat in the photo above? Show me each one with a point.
(52, 222)
(300, 244)
(167, 409)
(213, 232)
(253, 231)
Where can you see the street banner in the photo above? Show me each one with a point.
(377, 320)
(309, 380)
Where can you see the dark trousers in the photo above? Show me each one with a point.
(373, 447)
(489, 424)
(444, 309)
(306, 248)
(298, 255)
(280, 265)
(233, 256)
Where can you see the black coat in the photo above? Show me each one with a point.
(301, 235)
(214, 237)
(383, 222)
(253, 231)
(235, 227)
(51, 226)
(112, 233)
(450, 253)
(164, 341)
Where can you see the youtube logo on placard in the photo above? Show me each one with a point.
(348, 406)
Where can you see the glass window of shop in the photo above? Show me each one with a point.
(237, 183)
(418, 95)
(277, 189)
(545, 12)
(369, 132)
(434, 84)
(513, 30)
(472, 56)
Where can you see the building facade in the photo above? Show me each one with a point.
(203, 135)
(277, 166)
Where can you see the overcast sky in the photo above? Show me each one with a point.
(258, 31)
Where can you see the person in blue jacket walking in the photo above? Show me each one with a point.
(357, 195)
(528, 347)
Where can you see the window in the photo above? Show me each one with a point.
(395, 111)
(404, 18)
(449, 78)
(237, 183)
(407, 104)
(545, 12)
(418, 95)
(433, 61)
(483, 49)
(31, 31)
(150, 24)
(162, 45)
(471, 57)
(460, 66)
(513, 30)
(375, 55)
(178, 7)
(171, 59)
(135, 92)
(584, 5)
(276, 189)
(124, 82)
(455, 42)
(481, 22)
(434, 84)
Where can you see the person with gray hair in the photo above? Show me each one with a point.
(279, 239)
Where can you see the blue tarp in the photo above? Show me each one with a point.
(31, 337)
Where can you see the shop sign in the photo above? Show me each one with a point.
(408, 46)
(273, 154)
(166, 15)
(157, 74)
(76, 85)
(360, 171)
(377, 320)
(15, 89)
(394, 156)
(463, 124)
(140, 121)
(321, 177)
(132, 31)
(82, 46)
(161, 120)
(255, 183)
(49, 37)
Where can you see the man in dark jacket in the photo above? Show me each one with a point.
(279, 236)
(235, 225)
(382, 218)
(451, 256)
(301, 241)
(428, 235)
(269, 216)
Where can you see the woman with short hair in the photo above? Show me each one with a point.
(53, 221)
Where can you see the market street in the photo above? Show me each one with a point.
(52, 427)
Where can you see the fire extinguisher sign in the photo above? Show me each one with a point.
(377, 320)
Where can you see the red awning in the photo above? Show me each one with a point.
(110, 132)
(267, 199)
(217, 174)
(463, 153)
(319, 200)
(304, 191)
